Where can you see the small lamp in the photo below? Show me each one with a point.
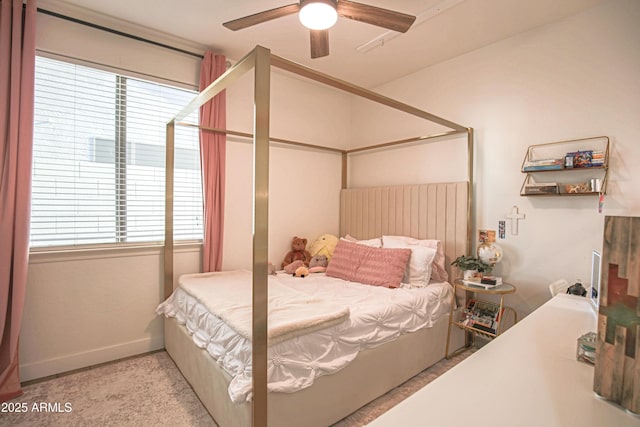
(318, 14)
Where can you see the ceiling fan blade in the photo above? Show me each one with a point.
(319, 43)
(375, 15)
(258, 18)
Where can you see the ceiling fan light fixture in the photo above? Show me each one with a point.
(318, 14)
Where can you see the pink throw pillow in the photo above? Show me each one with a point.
(368, 265)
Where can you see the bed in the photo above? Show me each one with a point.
(317, 324)
(394, 356)
(438, 211)
(331, 396)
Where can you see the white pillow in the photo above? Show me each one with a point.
(438, 272)
(374, 243)
(418, 271)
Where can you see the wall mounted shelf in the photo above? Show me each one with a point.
(576, 167)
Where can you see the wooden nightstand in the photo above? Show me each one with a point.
(480, 317)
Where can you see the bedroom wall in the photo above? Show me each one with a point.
(92, 306)
(304, 183)
(574, 78)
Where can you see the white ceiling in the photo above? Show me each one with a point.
(463, 26)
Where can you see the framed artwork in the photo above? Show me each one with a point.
(617, 349)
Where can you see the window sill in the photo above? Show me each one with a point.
(48, 255)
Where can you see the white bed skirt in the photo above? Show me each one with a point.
(332, 397)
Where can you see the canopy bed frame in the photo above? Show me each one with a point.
(407, 213)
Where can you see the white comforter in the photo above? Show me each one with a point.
(227, 295)
(376, 315)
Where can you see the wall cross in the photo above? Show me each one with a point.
(514, 216)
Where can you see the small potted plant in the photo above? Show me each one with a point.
(470, 265)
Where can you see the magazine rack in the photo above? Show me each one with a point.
(480, 317)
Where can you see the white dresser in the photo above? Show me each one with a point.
(528, 376)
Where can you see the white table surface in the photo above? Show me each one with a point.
(528, 376)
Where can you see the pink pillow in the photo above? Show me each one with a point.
(365, 264)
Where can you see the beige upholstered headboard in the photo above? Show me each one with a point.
(424, 211)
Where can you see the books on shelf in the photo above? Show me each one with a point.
(575, 159)
(542, 168)
(542, 165)
(542, 188)
(597, 159)
(586, 158)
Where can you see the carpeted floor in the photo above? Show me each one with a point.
(150, 391)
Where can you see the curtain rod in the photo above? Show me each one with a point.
(116, 32)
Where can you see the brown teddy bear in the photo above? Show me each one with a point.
(298, 252)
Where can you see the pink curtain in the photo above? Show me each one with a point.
(213, 154)
(17, 64)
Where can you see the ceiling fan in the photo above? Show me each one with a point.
(320, 15)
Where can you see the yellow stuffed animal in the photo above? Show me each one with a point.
(324, 245)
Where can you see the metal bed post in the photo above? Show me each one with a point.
(260, 234)
(168, 210)
(470, 224)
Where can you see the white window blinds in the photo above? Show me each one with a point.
(98, 159)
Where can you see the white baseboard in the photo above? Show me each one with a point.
(70, 362)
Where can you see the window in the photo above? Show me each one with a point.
(98, 159)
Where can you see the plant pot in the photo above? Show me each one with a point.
(469, 274)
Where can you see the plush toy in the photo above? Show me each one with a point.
(291, 268)
(318, 261)
(324, 245)
(318, 264)
(301, 272)
(298, 252)
(271, 269)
